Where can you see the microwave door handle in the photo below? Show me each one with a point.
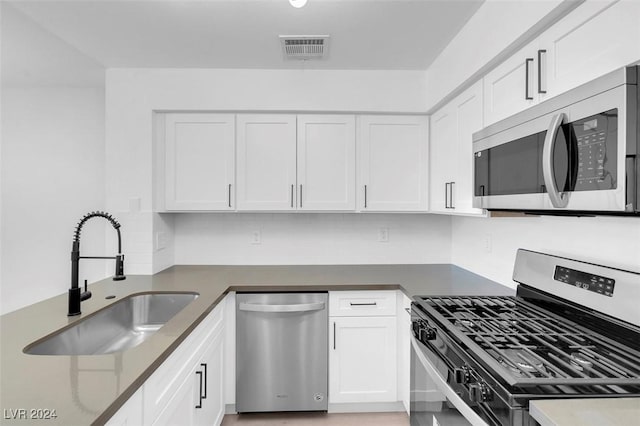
(558, 199)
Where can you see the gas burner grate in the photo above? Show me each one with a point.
(536, 346)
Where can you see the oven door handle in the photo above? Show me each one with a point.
(471, 416)
(558, 199)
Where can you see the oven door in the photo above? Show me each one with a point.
(432, 401)
(572, 158)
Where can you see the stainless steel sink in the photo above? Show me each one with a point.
(116, 328)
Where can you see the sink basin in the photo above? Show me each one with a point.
(116, 328)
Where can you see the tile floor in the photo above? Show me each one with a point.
(317, 419)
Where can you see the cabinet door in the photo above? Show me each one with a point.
(326, 162)
(393, 163)
(404, 350)
(362, 359)
(468, 108)
(442, 146)
(212, 403)
(181, 408)
(599, 36)
(130, 413)
(199, 161)
(266, 162)
(512, 86)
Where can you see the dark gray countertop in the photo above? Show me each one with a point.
(90, 389)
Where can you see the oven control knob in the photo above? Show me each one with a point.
(479, 392)
(461, 375)
(417, 326)
(427, 333)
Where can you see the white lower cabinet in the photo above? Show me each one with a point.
(363, 349)
(362, 359)
(199, 400)
(130, 413)
(188, 388)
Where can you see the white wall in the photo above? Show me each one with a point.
(52, 164)
(611, 241)
(52, 174)
(133, 95)
(289, 238)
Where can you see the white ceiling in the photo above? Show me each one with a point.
(365, 34)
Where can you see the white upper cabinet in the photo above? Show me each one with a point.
(452, 128)
(597, 37)
(442, 148)
(512, 86)
(326, 162)
(199, 161)
(266, 164)
(393, 163)
(469, 114)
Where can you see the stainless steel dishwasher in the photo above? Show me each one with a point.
(281, 352)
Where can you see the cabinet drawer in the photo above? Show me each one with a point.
(362, 303)
(167, 379)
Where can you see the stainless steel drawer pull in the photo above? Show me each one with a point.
(291, 196)
(301, 307)
(364, 304)
(229, 195)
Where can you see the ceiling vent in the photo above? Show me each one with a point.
(305, 47)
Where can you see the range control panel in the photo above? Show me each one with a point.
(590, 282)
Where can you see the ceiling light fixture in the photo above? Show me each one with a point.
(298, 3)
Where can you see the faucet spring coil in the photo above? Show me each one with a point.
(86, 217)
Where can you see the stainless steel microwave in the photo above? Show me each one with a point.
(576, 152)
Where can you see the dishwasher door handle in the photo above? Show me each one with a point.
(301, 307)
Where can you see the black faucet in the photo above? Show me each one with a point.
(76, 295)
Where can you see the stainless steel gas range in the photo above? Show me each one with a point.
(571, 331)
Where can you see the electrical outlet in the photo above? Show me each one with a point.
(161, 240)
(383, 235)
(486, 243)
(256, 237)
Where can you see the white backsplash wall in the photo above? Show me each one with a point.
(487, 246)
(308, 238)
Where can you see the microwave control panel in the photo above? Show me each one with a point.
(585, 281)
(596, 142)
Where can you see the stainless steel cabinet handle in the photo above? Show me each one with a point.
(408, 310)
(204, 369)
(302, 307)
(300, 195)
(363, 304)
(446, 195)
(526, 79)
(451, 195)
(229, 195)
(557, 199)
(365, 196)
(291, 196)
(540, 52)
(334, 335)
(199, 405)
